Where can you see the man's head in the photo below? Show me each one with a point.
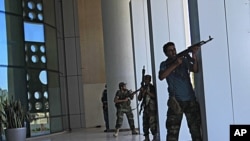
(169, 49)
(147, 79)
(122, 85)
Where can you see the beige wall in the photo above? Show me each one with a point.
(92, 58)
(91, 41)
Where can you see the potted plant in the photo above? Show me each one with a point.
(13, 118)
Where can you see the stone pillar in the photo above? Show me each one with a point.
(118, 51)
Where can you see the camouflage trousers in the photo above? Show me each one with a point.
(149, 120)
(119, 117)
(191, 109)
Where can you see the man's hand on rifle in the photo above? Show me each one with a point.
(195, 49)
(178, 61)
(126, 99)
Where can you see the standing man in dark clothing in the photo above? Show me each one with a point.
(122, 101)
(105, 108)
(181, 93)
(149, 106)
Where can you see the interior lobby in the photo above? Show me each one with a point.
(58, 55)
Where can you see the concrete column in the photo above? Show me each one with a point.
(70, 64)
(225, 71)
(119, 58)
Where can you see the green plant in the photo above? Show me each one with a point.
(3, 119)
(13, 115)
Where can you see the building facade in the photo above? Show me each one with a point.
(56, 56)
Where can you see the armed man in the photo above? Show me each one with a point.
(122, 101)
(181, 93)
(149, 106)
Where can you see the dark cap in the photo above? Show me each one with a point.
(121, 84)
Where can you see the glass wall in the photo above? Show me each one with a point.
(29, 61)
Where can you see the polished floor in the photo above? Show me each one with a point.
(90, 134)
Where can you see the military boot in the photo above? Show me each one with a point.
(116, 133)
(146, 138)
(134, 132)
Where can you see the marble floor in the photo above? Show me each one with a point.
(90, 134)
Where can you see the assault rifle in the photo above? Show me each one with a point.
(188, 50)
(142, 83)
(143, 74)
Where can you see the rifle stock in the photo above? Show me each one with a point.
(188, 50)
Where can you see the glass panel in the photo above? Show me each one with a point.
(13, 82)
(11, 40)
(54, 94)
(51, 48)
(15, 41)
(54, 101)
(3, 40)
(30, 35)
(4, 80)
(41, 124)
(2, 6)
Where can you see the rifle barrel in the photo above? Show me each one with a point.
(189, 49)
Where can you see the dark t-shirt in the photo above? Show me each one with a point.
(179, 84)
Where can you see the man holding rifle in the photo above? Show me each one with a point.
(149, 106)
(122, 103)
(182, 99)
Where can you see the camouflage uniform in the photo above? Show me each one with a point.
(124, 108)
(192, 113)
(149, 107)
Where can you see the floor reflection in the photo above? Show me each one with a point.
(90, 134)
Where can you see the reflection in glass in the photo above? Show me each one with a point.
(32, 15)
(45, 94)
(3, 78)
(34, 59)
(28, 95)
(30, 106)
(42, 49)
(3, 40)
(40, 16)
(38, 106)
(39, 6)
(2, 5)
(43, 77)
(46, 104)
(37, 95)
(43, 59)
(26, 58)
(31, 5)
(29, 33)
(27, 77)
(33, 48)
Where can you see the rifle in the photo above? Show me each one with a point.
(142, 86)
(142, 83)
(143, 74)
(134, 92)
(187, 51)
